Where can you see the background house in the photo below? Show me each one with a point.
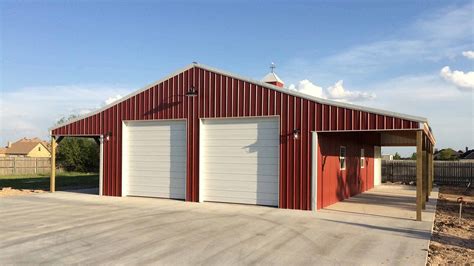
(468, 155)
(27, 148)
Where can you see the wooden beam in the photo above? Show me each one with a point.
(52, 180)
(430, 169)
(419, 174)
(425, 174)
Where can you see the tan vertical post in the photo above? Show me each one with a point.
(430, 169)
(432, 166)
(419, 173)
(52, 181)
(425, 173)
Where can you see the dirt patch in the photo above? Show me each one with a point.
(8, 191)
(452, 241)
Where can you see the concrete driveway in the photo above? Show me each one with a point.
(376, 227)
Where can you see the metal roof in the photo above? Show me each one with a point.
(256, 82)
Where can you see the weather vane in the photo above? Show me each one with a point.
(272, 67)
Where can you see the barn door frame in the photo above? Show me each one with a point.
(314, 171)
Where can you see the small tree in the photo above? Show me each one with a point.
(78, 154)
(413, 156)
(447, 155)
(397, 156)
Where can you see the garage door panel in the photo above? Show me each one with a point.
(141, 126)
(174, 193)
(241, 197)
(240, 160)
(152, 136)
(248, 160)
(241, 142)
(155, 159)
(233, 169)
(243, 200)
(242, 186)
(157, 175)
(159, 182)
(242, 151)
(145, 149)
(158, 169)
(239, 124)
(242, 177)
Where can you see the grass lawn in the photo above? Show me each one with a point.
(64, 181)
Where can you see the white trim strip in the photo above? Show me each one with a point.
(255, 82)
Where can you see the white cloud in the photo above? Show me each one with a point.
(113, 99)
(307, 87)
(461, 79)
(30, 111)
(336, 92)
(468, 54)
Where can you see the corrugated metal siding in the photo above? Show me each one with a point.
(223, 96)
(334, 184)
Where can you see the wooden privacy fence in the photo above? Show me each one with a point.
(24, 165)
(445, 172)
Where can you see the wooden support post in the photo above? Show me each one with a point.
(419, 174)
(52, 180)
(425, 176)
(430, 169)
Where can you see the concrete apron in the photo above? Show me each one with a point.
(376, 227)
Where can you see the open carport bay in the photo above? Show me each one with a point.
(66, 227)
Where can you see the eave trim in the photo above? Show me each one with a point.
(255, 82)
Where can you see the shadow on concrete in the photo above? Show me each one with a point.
(91, 191)
(413, 233)
(371, 214)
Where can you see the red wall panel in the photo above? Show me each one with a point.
(335, 184)
(224, 96)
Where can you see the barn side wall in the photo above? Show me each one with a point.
(334, 184)
(224, 96)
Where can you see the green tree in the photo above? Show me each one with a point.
(447, 155)
(413, 156)
(78, 154)
(397, 156)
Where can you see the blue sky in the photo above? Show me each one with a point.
(70, 57)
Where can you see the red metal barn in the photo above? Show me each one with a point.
(202, 134)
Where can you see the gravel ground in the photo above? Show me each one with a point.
(8, 191)
(452, 241)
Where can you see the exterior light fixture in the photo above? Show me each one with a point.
(192, 92)
(296, 133)
(108, 135)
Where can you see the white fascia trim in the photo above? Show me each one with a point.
(256, 82)
(316, 99)
(124, 98)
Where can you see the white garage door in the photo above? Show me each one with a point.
(154, 159)
(239, 160)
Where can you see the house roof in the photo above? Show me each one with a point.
(3, 150)
(24, 146)
(469, 155)
(256, 82)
